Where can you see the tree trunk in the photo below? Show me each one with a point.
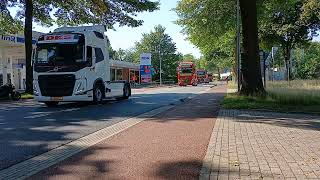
(251, 70)
(28, 44)
(287, 56)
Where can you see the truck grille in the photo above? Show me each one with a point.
(56, 85)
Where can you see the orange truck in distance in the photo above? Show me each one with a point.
(187, 75)
(202, 76)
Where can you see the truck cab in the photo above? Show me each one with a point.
(72, 64)
(202, 76)
(186, 72)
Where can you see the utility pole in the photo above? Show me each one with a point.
(160, 63)
(238, 45)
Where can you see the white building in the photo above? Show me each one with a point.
(12, 59)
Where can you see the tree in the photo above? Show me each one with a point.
(210, 25)
(73, 12)
(308, 61)
(289, 24)
(212, 31)
(160, 45)
(189, 57)
(126, 55)
(9, 25)
(251, 70)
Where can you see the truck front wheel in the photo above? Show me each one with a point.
(97, 94)
(126, 91)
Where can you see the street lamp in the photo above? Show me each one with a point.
(160, 63)
(238, 44)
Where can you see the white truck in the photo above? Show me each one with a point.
(72, 64)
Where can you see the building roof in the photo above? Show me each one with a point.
(124, 64)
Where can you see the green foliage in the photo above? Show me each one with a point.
(189, 57)
(278, 103)
(126, 55)
(75, 12)
(9, 25)
(26, 96)
(308, 61)
(210, 25)
(158, 42)
(288, 23)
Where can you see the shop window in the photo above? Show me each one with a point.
(89, 55)
(119, 74)
(113, 77)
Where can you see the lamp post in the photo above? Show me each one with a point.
(160, 62)
(160, 66)
(238, 44)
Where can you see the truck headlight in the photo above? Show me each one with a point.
(80, 88)
(35, 90)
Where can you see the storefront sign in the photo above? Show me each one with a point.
(15, 39)
(145, 59)
(145, 68)
(8, 38)
(145, 73)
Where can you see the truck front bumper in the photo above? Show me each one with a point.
(63, 99)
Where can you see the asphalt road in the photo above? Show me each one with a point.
(28, 128)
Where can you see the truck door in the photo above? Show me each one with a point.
(100, 63)
(90, 74)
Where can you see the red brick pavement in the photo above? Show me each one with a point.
(171, 145)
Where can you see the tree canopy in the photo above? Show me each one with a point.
(128, 55)
(211, 25)
(289, 24)
(76, 12)
(307, 61)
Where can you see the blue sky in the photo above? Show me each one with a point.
(125, 37)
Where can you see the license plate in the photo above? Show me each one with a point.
(56, 98)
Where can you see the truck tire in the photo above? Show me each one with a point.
(126, 92)
(97, 94)
(51, 103)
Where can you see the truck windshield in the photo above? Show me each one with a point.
(186, 70)
(60, 54)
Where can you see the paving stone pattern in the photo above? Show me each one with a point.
(263, 145)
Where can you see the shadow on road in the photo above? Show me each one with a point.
(179, 170)
(89, 163)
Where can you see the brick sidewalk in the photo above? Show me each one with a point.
(261, 145)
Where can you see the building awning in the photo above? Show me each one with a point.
(124, 64)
